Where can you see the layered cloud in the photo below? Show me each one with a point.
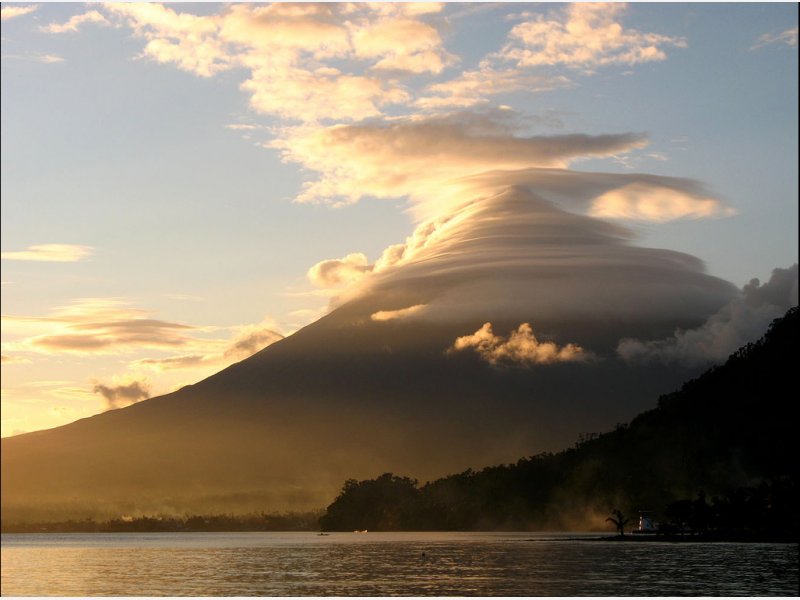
(521, 247)
(419, 156)
(584, 36)
(638, 201)
(98, 326)
(439, 161)
(742, 320)
(521, 348)
(50, 253)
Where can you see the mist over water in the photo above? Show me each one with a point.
(407, 564)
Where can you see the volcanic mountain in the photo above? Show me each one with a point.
(411, 371)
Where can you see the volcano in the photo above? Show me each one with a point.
(380, 384)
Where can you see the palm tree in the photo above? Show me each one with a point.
(619, 521)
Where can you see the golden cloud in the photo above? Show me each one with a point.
(285, 48)
(584, 35)
(402, 313)
(417, 157)
(12, 12)
(97, 325)
(75, 22)
(403, 44)
(339, 272)
(638, 201)
(473, 87)
(247, 340)
(521, 348)
(50, 253)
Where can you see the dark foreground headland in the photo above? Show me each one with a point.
(715, 458)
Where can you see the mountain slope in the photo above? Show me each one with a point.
(351, 395)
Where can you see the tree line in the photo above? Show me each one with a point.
(718, 456)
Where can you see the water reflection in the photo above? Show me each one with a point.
(302, 564)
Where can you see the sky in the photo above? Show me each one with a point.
(183, 185)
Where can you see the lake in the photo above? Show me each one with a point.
(387, 564)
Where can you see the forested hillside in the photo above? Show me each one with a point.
(722, 446)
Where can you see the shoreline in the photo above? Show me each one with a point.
(696, 538)
(629, 538)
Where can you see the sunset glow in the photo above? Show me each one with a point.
(186, 185)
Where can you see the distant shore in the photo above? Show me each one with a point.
(297, 521)
(306, 525)
(697, 538)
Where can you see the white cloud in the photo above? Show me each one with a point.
(76, 21)
(50, 253)
(475, 86)
(521, 348)
(402, 313)
(638, 201)
(584, 36)
(47, 59)
(340, 272)
(13, 11)
(242, 127)
(744, 319)
(189, 41)
(788, 37)
(310, 96)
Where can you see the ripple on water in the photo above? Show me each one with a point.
(302, 564)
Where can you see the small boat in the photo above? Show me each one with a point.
(646, 523)
(360, 531)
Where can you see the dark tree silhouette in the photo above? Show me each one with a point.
(618, 520)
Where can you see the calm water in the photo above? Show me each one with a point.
(386, 564)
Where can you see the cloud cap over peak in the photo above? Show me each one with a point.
(413, 156)
(514, 255)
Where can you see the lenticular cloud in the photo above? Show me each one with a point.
(513, 255)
